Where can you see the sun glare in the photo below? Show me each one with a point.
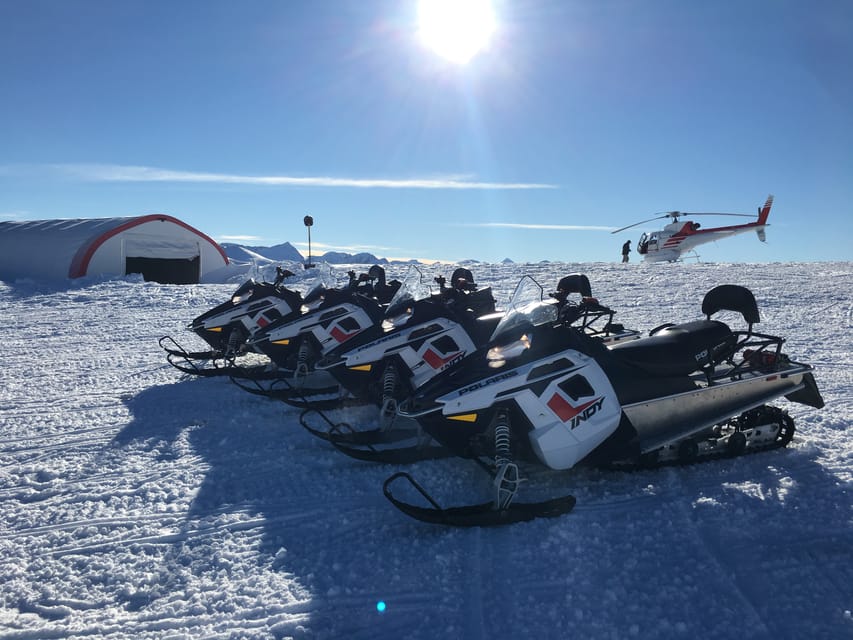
(456, 29)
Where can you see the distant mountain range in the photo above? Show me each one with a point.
(286, 252)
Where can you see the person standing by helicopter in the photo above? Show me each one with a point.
(626, 249)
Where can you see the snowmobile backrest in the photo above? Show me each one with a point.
(377, 273)
(462, 279)
(731, 297)
(574, 283)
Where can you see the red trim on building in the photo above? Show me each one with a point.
(80, 263)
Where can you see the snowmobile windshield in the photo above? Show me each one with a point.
(412, 289)
(401, 307)
(527, 306)
(244, 292)
(324, 281)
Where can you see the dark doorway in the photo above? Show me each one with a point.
(164, 270)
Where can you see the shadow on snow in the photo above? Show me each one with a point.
(726, 527)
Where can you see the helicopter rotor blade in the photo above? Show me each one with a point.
(675, 215)
(666, 215)
(740, 215)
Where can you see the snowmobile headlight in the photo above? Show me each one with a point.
(497, 356)
(311, 306)
(397, 321)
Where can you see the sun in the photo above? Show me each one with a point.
(456, 29)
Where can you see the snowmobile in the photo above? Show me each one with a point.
(423, 333)
(330, 317)
(426, 335)
(227, 326)
(546, 393)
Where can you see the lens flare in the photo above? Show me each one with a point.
(456, 29)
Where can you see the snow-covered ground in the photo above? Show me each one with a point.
(137, 503)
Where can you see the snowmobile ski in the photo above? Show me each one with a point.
(179, 351)
(392, 454)
(344, 433)
(478, 515)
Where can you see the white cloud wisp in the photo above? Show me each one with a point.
(130, 173)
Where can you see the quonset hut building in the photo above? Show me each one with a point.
(160, 247)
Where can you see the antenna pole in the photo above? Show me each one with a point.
(309, 222)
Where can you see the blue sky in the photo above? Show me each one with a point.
(576, 118)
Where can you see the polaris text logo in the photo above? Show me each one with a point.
(375, 343)
(485, 383)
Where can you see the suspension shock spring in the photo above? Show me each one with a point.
(389, 382)
(503, 455)
(303, 353)
(389, 402)
(234, 340)
(507, 478)
(302, 357)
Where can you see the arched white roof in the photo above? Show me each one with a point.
(54, 249)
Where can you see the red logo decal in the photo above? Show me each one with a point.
(436, 361)
(574, 415)
(340, 336)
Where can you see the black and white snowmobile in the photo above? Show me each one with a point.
(545, 393)
(227, 326)
(426, 335)
(330, 318)
(423, 334)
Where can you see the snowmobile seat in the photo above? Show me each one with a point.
(680, 349)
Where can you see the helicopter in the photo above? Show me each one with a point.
(681, 236)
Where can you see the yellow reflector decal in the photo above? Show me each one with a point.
(216, 329)
(285, 341)
(362, 367)
(464, 417)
